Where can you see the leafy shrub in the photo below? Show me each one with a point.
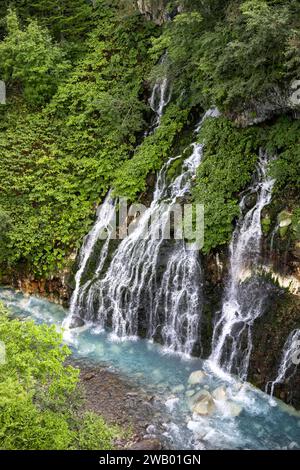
(39, 396)
(229, 161)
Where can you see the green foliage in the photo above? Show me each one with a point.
(77, 112)
(5, 225)
(235, 57)
(296, 223)
(229, 162)
(39, 397)
(282, 140)
(57, 162)
(95, 434)
(30, 63)
(67, 20)
(131, 177)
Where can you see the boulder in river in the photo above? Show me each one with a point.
(196, 377)
(76, 322)
(233, 409)
(202, 403)
(219, 394)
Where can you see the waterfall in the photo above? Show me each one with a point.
(159, 99)
(151, 284)
(289, 360)
(232, 337)
(179, 296)
(102, 225)
(130, 284)
(106, 213)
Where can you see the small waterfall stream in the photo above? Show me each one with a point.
(100, 228)
(232, 338)
(289, 361)
(160, 97)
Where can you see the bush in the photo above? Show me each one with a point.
(229, 161)
(40, 405)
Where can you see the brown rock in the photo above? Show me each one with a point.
(147, 444)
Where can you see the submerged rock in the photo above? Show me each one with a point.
(204, 407)
(196, 377)
(76, 322)
(219, 394)
(178, 389)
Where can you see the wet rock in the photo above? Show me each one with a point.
(202, 403)
(204, 407)
(198, 395)
(171, 403)
(234, 409)
(296, 250)
(151, 429)
(196, 377)
(154, 10)
(195, 426)
(147, 444)
(219, 394)
(276, 102)
(190, 393)
(250, 200)
(178, 389)
(88, 376)
(76, 322)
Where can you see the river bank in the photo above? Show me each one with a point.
(122, 402)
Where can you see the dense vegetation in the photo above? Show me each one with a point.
(78, 78)
(40, 403)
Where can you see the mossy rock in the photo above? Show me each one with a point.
(285, 219)
(266, 224)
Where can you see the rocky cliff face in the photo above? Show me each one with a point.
(277, 102)
(156, 10)
(280, 317)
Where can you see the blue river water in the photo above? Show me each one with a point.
(243, 417)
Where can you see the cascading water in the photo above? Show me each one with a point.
(131, 281)
(101, 226)
(179, 297)
(158, 101)
(232, 338)
(289, 361)
(132, 295)
(160, 97)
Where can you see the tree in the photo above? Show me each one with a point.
(66, 19)
(30, 63)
